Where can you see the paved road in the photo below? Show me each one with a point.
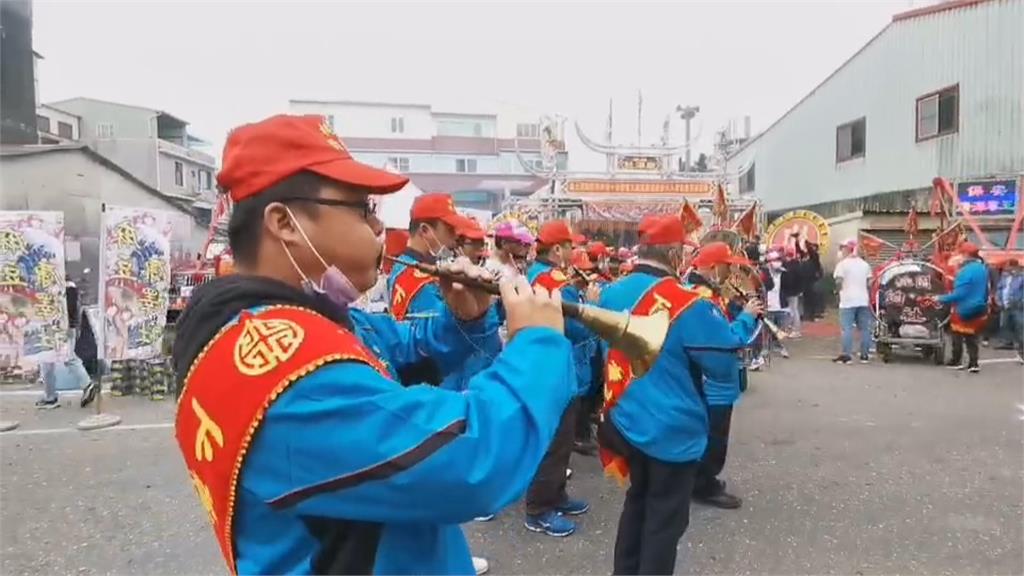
(904, 468)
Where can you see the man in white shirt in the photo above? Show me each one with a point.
(852, 275)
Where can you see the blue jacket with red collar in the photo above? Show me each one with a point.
(663, 412)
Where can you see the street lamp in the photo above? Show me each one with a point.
(687, 113)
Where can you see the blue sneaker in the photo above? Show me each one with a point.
(550, 523)
(573, 508)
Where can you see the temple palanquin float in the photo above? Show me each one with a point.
(637, 180)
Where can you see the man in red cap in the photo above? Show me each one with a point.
(599, 254)
(969, 300)
(654, 426)
(712, 267)
(471, 242)
(306, 452)
(547, 501)
(433, 236)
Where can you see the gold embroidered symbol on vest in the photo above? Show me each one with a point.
(660, 305)
(264, 344)
(207, 435)
(203, 491)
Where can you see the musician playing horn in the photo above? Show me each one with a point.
(547, 500)
(654, 428)
(306, 452)
(712, 268)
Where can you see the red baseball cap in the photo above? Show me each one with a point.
(556, 232)
(259, 155)
(598, 249)
(471, 230)
(717, 253)
(661, 230)
(581, 260)
(438, 206)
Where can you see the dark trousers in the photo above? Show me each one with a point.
(588, 407)
(547, 491)
(707, 483)
(959, 340)
(656, 511)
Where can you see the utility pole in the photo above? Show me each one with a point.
(687, 113)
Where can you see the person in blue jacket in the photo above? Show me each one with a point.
(659, 424)
(711, 266)
(969, 301)
(433, 225)
(349, 472)
(547, 500)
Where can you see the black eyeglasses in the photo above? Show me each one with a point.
(366, 207)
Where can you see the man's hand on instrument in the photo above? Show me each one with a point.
(754, 307)
(526, 306)
(593, 293)
(466, 303)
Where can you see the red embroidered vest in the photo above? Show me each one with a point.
(665, 295)
(551, 280)
(407, 285)
(231, 385)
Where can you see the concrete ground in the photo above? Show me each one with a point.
(903, 468)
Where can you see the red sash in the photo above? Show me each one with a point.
(551, 280)
(968, 327)
(666, 295)
(408, 284)
(231, 385)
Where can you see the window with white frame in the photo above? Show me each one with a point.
(851, 140)
(65, 130)
(938, 113)
(397, 125)
(527, 131)
(104, 130)
(465, 165)
(179, 174)
(401, 163)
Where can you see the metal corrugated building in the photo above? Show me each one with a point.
(974, 45)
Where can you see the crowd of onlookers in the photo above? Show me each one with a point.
(796, 290)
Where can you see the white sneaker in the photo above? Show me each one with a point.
(568, 473)
(756, 364)
(480, 565)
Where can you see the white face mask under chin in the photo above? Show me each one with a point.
(334, 284)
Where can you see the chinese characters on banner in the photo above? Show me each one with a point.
(33, 308)
(988, 198)
(135, 276)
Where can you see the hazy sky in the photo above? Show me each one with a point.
(221, 63)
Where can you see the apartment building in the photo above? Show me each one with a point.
(471, 155)
(154, 146)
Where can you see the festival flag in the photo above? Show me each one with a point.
(691, 218)
(33, 307)
(911, 225)
(871, 245)
(134, 279)
(746, 224)
(721, 207)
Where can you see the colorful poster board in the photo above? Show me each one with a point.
(33, 306)
(134, 278)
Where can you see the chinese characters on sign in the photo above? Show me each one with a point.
(135, 263)
(989, 198)
(634, 187)
(33, 308)
(639, 163)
